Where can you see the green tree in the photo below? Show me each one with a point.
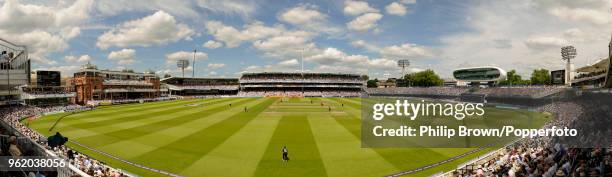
(425, 78)
(365, 77)
(514, 79)
(540, 77)
(373, 83)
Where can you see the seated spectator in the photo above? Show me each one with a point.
(13, 149)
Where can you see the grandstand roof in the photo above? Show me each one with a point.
(104, 71)
(297, 73)
(197, 78)
(597, 66)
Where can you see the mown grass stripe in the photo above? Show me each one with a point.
(101, 114)
(77, 124)
(152, 141)
(426, 156)
(105, 110)
(294, 132)
(121, 109)
(135, 132)
(243, 150)
(185, 151)
(341, 152)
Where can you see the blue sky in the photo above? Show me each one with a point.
(364, 37)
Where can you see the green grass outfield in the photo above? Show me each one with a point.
(207, 137)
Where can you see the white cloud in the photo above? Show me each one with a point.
(243, 8)
(44, 29)
(541, 43)
(214, 66)
(308, 17)
(366, 45)
(212, 44)
(396, 8)
(596, 12)
(178, 8)
(289, 44)
(532, 32)
(302, 15)
(233, 37)
(82, 58)
(337, 60)
(185, 55)
(355, 8)
(273, 41)
(69, 33)
(408, 1)
(251, 69)
(123, 56)
(406, 51)
(403, 51)
(66, 70)
(289, 63)
(382, 63)
(158, 28)
(16, 17)
(364, 22)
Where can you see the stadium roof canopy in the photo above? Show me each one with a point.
(298, 73)
(195, 78)
(597, 66)
(480, 74)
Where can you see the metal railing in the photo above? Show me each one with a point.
(20, 58)
(25, 143)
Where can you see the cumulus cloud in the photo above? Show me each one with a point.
(333, 58)
(123, 56)
(542, 43)
(301, 15)
(185, 55)
(274, 41)
(396, 8)
(178, 8)
(214, 66)
(232, 37)
(406, 51)
(158, 28)
(81, 59)
(408, 1)
(289, 63)
(212, 44)
(66, 70)
(596, 12)
(364, 22)
(307, 16)
(403, 51)
(44, 29)
(532, 34)
(289, 44)
(355, 8)
(243, 8)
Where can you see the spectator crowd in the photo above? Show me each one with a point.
(13, 116)
(553, 157)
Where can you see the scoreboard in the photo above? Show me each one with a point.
(557, 77)
(48, 78)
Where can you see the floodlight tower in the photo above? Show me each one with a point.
(568, 53)
(182, 64)
(403, 64)
(193, 63)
